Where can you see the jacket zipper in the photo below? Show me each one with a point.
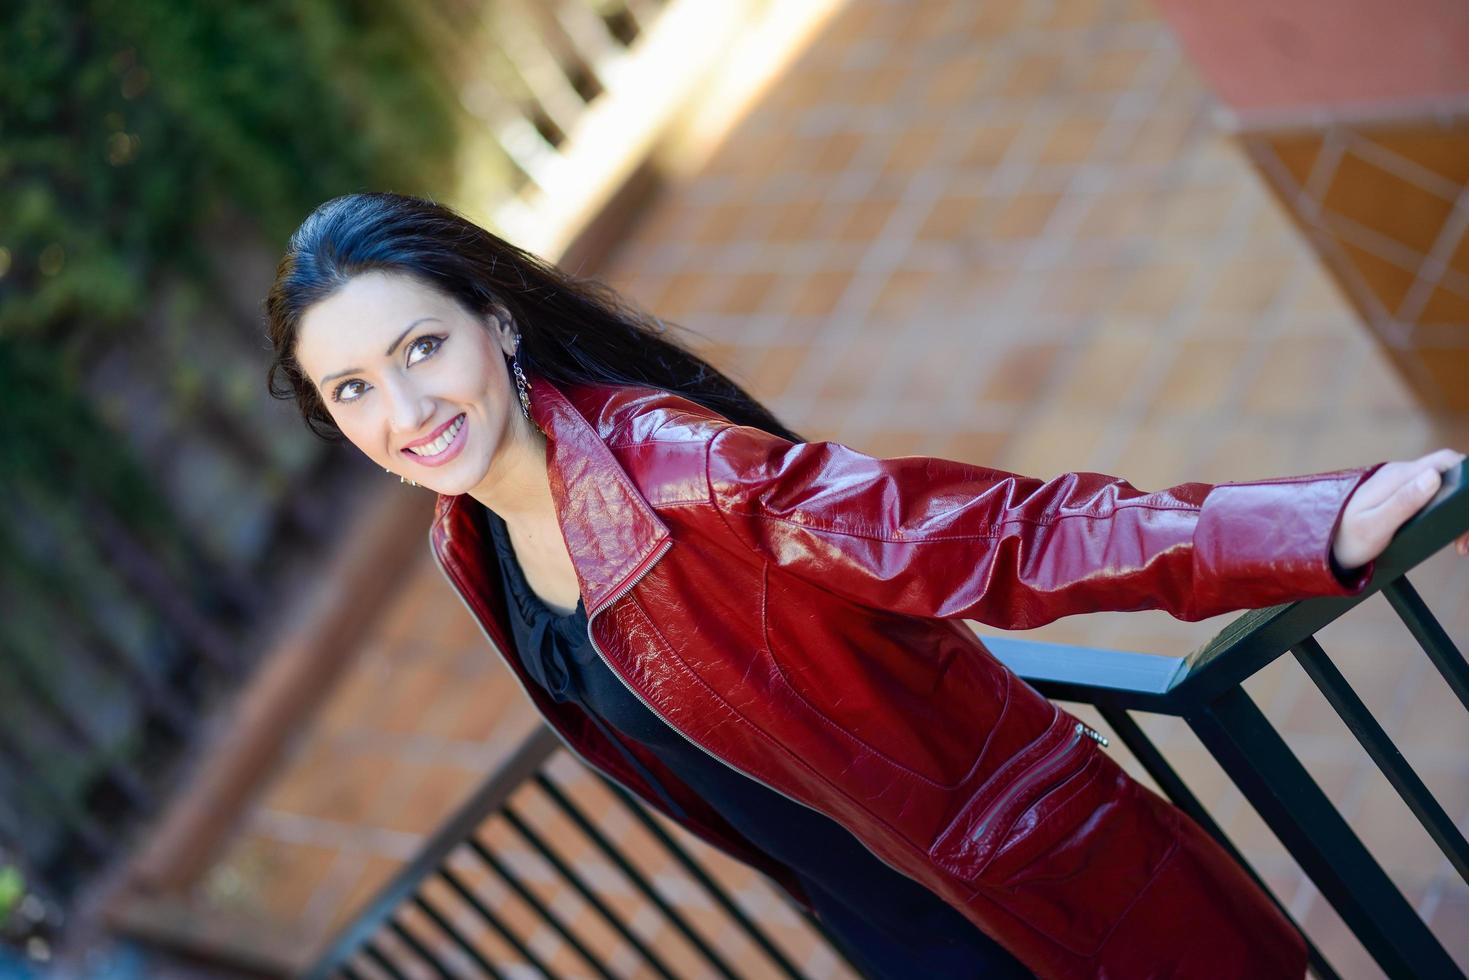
(1038, 773)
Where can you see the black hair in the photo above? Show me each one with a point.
(572, 330)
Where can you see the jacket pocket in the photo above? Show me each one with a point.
(1066, 846)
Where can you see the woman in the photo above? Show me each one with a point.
(760, 636)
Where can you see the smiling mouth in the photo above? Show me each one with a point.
(445, 439)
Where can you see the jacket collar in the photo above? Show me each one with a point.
(610, 529)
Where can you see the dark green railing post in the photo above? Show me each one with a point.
(1280, 789)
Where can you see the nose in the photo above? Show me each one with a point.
(408, 408)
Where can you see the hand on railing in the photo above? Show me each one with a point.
(1385, 502)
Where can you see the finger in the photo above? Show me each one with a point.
(1417, 490)
(1441, 459)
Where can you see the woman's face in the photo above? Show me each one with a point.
(412, 379)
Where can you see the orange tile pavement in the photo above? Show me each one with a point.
(1004, 232)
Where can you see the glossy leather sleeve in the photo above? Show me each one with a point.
(935, 537)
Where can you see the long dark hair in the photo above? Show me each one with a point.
(572, 330)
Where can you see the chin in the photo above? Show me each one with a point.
(467, 479)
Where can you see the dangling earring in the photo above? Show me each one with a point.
(521, 384)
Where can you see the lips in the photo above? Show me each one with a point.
(432, 435)
(441, 445)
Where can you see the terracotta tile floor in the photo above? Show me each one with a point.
(1004, 232)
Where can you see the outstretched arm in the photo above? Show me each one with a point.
(934, 537)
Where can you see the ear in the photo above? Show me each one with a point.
(502, 327)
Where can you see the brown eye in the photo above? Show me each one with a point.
(430, 344)
(337, 393)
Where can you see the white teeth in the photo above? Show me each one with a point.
(442, 442)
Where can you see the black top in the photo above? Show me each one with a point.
(836, 868)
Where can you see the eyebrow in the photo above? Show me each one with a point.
(389, 353)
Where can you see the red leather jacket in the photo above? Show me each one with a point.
(794, 610)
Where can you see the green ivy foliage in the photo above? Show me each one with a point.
(123, 123)
(126, 124)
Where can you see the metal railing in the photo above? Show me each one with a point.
(461, 911)
(1205, 689)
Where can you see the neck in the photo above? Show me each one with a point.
(517, 487)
